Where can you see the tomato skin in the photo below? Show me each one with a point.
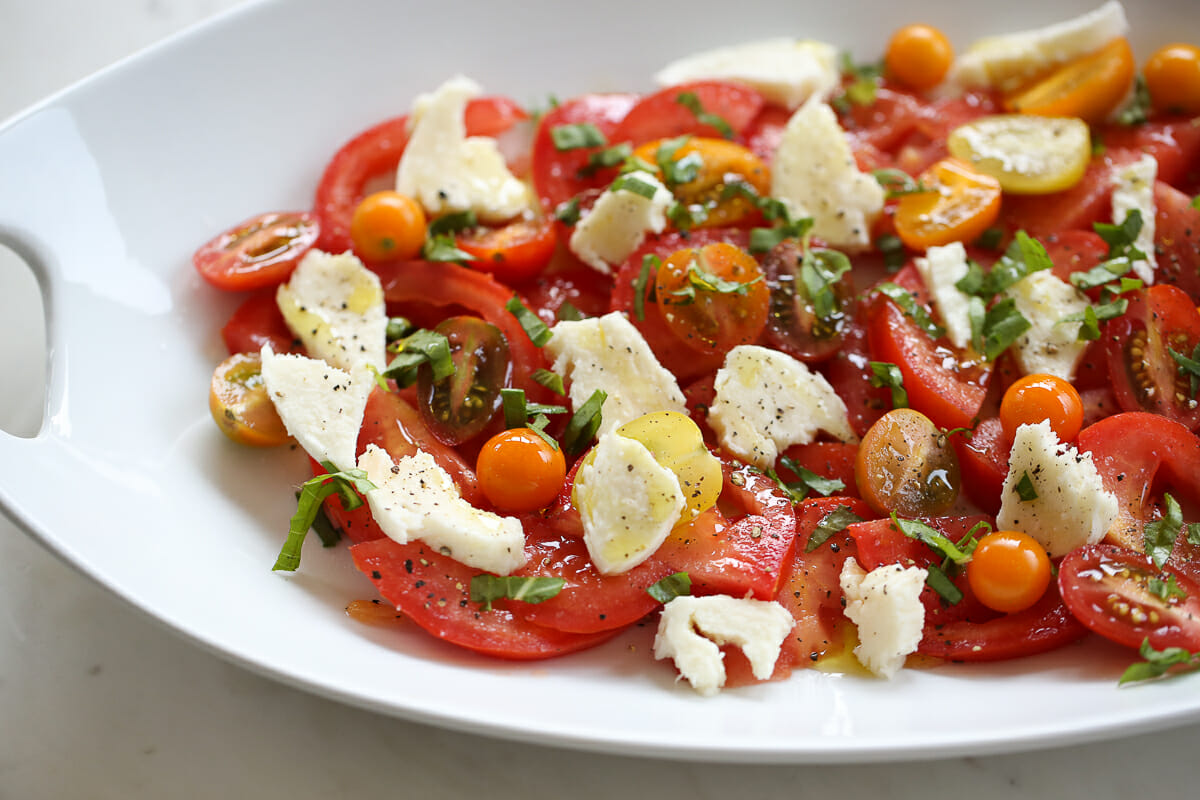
(1145, 376)
(1173, 78)
(514, 253)
(257, 322)
(520, 471)
(983, 460)
(1104, 587)
(260, 252)
(556, 175)
(240, 406)
(661, 116)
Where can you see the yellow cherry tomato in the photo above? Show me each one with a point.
(1027, 154)
(677, 444)
(388, 226)
(906, 465)
(239, 404)
(518, 470)
(1172, 76)
(918, 56)
(1036, 398)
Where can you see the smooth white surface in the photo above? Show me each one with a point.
(143, 713)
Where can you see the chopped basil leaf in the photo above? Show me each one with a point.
(691, 102)
(832, 523)
(1158, 662)
(453, 223)
(1135, 113)
(1024, 256)
(487, 589)
(892, 249)
(931, 538)
(912, 309)
(551, 380)
(685, 216)
(1165, 589)
(398, 328)
(444, 248)
(705, 281)
(538, 425)
(820, 270)
(1102, 273)
(537, 331)
(1025, 489)
(677, 171)
(608, 157)
(1159, 536)
(421, 347)
(1189, 366)
(584, 424)
(568, 213)
(808, 480)
(512, 401)
(937, 580)
(579, 135)
(649, 262)
(884, 373)
(1091, 317)
(1195, 202)
(990, 239)
(1120, 237)
(567, 311)
(1003, 324)
(861, 90)
(349, 484)
(897, 183)
(670, 587)
(1193, 534)
(632, 183)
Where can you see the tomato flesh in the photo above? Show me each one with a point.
(260, 252)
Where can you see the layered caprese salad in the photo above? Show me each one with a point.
(793, 357)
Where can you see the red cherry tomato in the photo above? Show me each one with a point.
(513, 253)
(258, 321)
(262, 251)
(520, 471)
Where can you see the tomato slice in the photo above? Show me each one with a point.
(434, 592)
(513, 253)
(1145, 376)
(850, 376)
(556, 173)
(262, 251)
(568, 281)
(832, 460)
(661, 115)
(1173, 141)
(1106, 588)
(983, 460)
(258, 321)
(1177, 239)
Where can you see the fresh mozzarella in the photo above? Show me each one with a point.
(447, 171)
(767, 401)
(941, 269)
(1007, 61)
(335, 307)
(415, 498)
(691, 628)
(1071, 508)
(1133, 190)
(619, 221)
(784, 70)
(608, 353)
(815, 175)
(1050, 346)
(321, 406)
(885, 605)
(627, 501)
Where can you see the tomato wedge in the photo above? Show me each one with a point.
(1106, 587)
(262, 251)
(258, 321)
(513, 253)
(1177, 239)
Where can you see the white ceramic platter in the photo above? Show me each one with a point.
(106, 189)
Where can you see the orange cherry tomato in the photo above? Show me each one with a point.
(960, 205)
(717, 163)
(713, 298)
(1090, 87)
(918, 56)
(1173, 78)
(239, 404)
(1009, 571)
(906, 464)
(513, 253)
(388, 226)
(1034, 398)
(518, 470)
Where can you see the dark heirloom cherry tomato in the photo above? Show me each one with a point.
(907, 466)
(458, 407)
(1106, 587)
(262, 251)
(793, 325)
(1145, 376)
(513, 253)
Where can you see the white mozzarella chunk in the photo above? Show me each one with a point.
(321, 406)
(415, 498)
(447, 171)
(627, 501)
(1133, 190)
(885, 605)
(609, 353)
(619, 221)
(1050, 346)
(1009, 60)
(784, 70)
(691, 628)
(335, 307)
(814, 173)
(941, 268)
(1072, 508)
(767, 401)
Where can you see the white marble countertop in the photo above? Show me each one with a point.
(97, 701)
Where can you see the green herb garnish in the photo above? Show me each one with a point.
(349, 484)
(486, 589)
(670, 587)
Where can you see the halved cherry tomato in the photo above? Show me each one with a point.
(712, 298)
(718, 163)
(458, 407)
(793, 324)
(258, 321)
(962, 203)
(557, 173)
(1034, 398)
(520, 471)
(1008, 571)
(1173, 78)
(1089, 87)
(513, 253)
(907, 466)
(983, 462)
(1160, 319)
(662, 115)
(239, 404)
(1107, 589)
(918, 56)
(850, 375)
(388, 226)
(262, 251)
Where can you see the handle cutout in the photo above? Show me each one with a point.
(23, 361)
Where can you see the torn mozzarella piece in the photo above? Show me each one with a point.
(1050, 346)
(941, 268)
(1133, 190)
(885, 605)
(784, 70)
(620, 219)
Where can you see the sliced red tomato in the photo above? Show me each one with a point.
(568, 280)
(983, 459)
(832, 460)
(765, 132)
(262, 251)
(1177, 240)
(435, 593)
(1074, 251)
(258, 321)
(1077, 208)
(513, 253)
(850, 376)
(375, 153)
(1173, 141)
(662, 115)
(1106, 587)
(1145, 376)
(556, 173)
